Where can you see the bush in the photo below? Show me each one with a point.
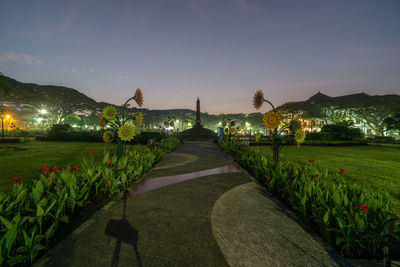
(144, 136)
(348, 216)
(341, 132)
(33, 212)
(64, 132)
(321, 136)
(383, 139)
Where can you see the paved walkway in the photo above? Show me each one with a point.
(195, 208)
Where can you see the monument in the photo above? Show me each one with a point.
(197, 132)
(198, 120)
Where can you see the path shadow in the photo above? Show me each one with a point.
(124, 232)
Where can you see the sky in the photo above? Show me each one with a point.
(221, 51)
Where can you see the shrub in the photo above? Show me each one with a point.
(144, 136)
(323, 136)
(341, 132)
(64, 132)
(33, 212)
(349, 217)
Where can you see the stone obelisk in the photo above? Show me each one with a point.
(198, 120)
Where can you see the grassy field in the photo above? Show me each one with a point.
(26, 163)
(373, 166)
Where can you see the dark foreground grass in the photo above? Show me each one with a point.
(26, 163)
(372, 166)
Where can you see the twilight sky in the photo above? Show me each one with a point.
(218, 50)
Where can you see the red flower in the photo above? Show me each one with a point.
(91, 154)
(73, 169)
(136, 153)
(364, 208)
(56, 169)
(16, 180)
(142, 159)
(276, 159)
(110, 162)
(312, 160)
(45, 170)
(341, 171)
(316, 176)
(292, 165)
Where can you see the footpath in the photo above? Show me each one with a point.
(195, 208)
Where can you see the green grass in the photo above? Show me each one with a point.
(26, 163)
(372, 166)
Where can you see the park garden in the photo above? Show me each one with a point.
(47, 185)
(344, 187)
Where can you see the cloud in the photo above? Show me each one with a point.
(91, 70)
(21, 58)
(73, 70)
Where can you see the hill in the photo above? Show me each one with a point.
(68, 105)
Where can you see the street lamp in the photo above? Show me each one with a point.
(7, 117)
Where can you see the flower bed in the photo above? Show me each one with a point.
(33, 212)
(347, 216)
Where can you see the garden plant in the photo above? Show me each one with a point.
(36, 209)
(348, 216)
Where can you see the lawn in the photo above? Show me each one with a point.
(26, 163)
(373, 166)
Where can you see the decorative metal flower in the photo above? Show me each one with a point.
(138, 97)
(271, 120)
(139, 119)
(258, 99)
(300, 136)
(108, 137)
(109, 112)
(126, 132)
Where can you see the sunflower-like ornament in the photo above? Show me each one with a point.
(271, 120)
(126, 132)
(121, 126)
(300, 136)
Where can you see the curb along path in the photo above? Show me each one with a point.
(191, 209)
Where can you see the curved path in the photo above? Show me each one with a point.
(195, 208)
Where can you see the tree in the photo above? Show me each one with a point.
(374, 117)
(393, 121)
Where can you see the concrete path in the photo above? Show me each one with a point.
(195, 208)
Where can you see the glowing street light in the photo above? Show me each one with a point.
(43, 111)
(7, 117)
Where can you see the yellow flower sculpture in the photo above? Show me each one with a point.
(109, 112)
(108, 137)
(224, 124)
(271, 120)
(126, 132)
(139, 119)
(299, 136)
(258, 99)
(139, 97)
(232, 130)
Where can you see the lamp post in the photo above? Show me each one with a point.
(2, 125)
(2, 129)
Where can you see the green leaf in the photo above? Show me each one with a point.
(64, 219)
(6, 222)
(35, 250)
(326, 217)
(39, 211)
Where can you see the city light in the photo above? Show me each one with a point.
(43, 111)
